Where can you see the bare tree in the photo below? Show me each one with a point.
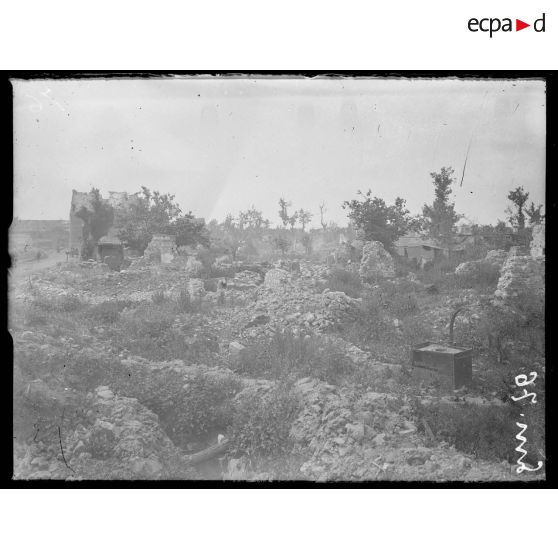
(323, 209)
(283, 214)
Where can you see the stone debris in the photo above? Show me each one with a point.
(276, 279)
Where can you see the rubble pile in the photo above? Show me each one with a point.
(372, 436)
(119, 439)
(277, 279)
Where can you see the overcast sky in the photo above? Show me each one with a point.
(222, 145)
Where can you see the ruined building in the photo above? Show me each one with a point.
(117, 200)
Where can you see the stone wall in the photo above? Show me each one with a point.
(537, 244)
(162, 248)
(521, 284)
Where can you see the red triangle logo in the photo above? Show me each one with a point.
(519, 25)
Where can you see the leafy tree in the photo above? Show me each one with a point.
(535, 214)
(303, 217)
(253, 219)
(155, 213)
(516, 214)
(188, 231)
(238, 231)
(379, 221)
(97, 221)
(440, 217)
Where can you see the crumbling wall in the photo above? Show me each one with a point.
(537, 244)
(376, 262)
(521, 284)
(162, 248)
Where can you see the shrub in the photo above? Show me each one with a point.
(287, 355)
(59, 303)
(487, 432)
(345, 281)
(191, 412)
(107, 312)
(185, 304)
(159, 297)
(261, 426)
(511, 334)
(484, 276)
(387, 326)
(148, 320)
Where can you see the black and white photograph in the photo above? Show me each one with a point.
(327, 279)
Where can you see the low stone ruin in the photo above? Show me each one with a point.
(376, 262)
(162, 248)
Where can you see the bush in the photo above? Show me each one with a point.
(345, 281)
(287, 355)
(487, 432)
(148, 320)
(513, 335)
(195, 411)
(261, 425)
(107, 312)
(59, 303)
(484, 276)
(387, 326)
(159, 297)
(184, 303)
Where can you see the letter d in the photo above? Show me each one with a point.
(535, 25)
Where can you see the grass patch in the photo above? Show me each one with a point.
(287, 355)
(487, 432)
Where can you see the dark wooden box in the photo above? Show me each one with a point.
(456, 363)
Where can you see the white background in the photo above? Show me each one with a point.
(294, 35)
(254, 34)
